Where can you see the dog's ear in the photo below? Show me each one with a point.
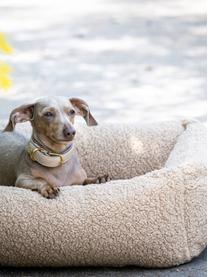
(18, 115)
(82, 108)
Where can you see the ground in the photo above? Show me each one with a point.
(132, 60)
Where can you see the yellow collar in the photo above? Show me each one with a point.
(49, 159)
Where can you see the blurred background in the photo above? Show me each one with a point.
(132, 60)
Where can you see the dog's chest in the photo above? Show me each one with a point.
(70, 173)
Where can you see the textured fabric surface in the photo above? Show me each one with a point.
(155, 219)
(194, 139)
(126, 151)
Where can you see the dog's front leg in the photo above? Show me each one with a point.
(97, 180)
(38, 184)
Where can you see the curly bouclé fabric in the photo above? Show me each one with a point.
(152, 214)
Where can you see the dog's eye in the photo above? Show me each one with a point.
(71, 112)
(48, 114)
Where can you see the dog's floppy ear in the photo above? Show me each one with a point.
(82, 108)
(20, 114)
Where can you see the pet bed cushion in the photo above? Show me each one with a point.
(153, 213)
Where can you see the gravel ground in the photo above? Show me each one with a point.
(132, 60)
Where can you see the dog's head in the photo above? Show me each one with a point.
(52, 119)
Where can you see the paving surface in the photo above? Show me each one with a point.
(132, 60)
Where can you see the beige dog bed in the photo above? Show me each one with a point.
(153, 214)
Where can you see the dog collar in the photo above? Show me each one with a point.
(46, 158)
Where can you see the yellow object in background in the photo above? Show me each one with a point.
(4, 45)
(5, 81)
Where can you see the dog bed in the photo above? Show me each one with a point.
(152, 213)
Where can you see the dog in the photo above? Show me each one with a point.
(49, 159)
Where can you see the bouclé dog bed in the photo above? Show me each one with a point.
(152, 214)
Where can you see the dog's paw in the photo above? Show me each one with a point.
(49, 191)
(103, 179)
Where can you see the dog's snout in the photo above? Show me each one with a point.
(69, 132)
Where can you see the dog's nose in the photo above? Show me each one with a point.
(69, 132)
